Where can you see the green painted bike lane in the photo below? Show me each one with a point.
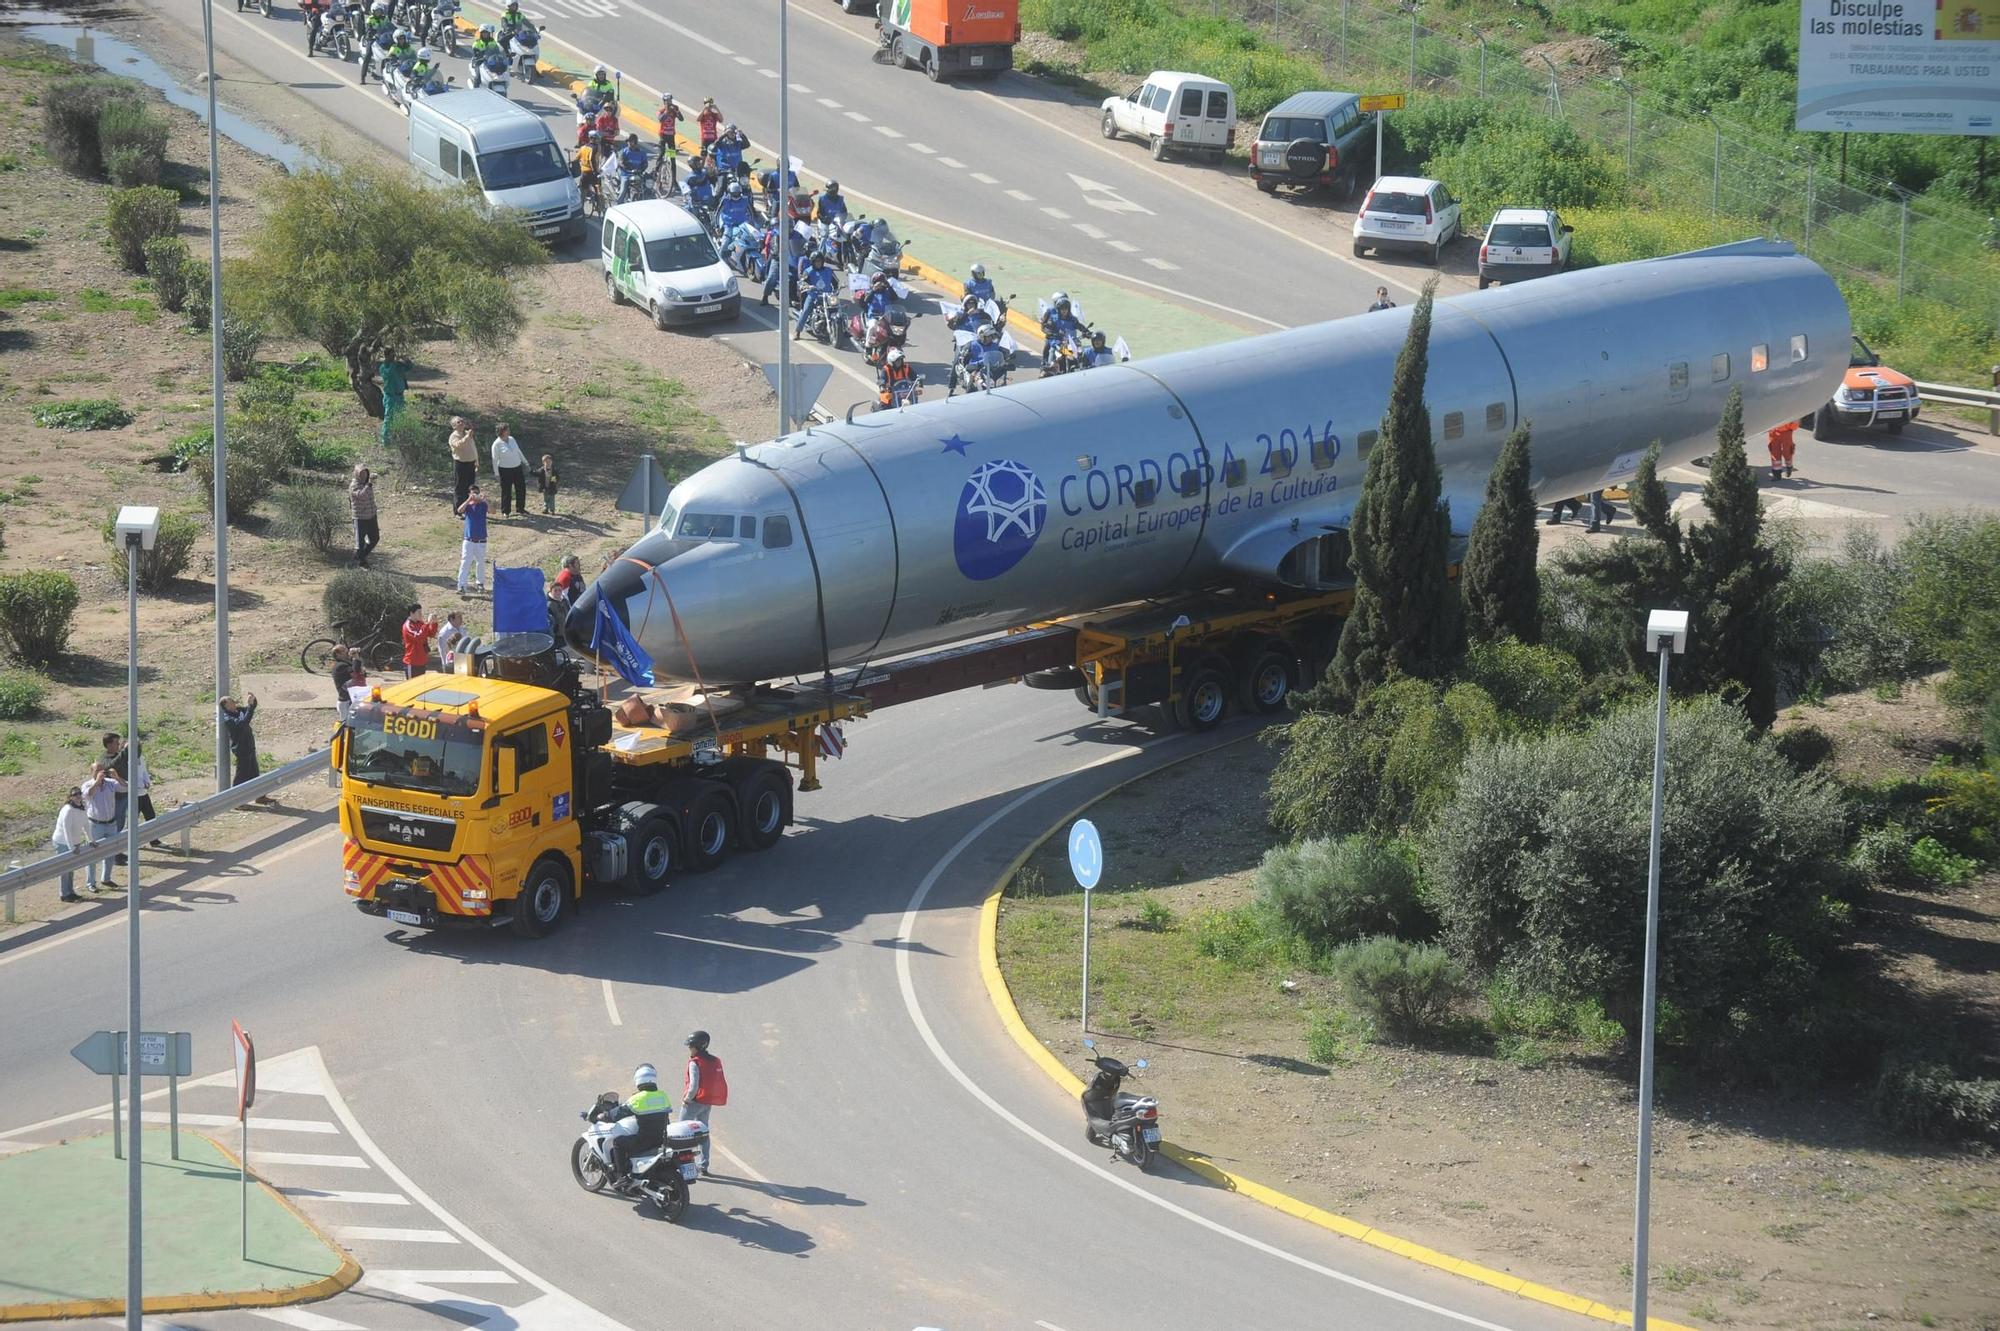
(62, 1234)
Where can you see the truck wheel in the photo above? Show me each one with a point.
(933, 67)
(1109, 125)
(1204, 702)
(653, 853)
(766, 802)
(711, 827)
(900, 55)
(1087, 695)
(1268, 682)
(1159, 147)
(544, 898)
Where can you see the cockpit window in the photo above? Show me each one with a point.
(706, 526)
(667, 516)
(747, 527)
(777, 532)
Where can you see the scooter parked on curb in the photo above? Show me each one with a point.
(1125, 1123)
(661, 1176)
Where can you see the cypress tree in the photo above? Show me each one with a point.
(1733, 578)
(1405, 618)
(1650, 503)
(1499, 580)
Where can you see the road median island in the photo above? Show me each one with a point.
(62, 1236)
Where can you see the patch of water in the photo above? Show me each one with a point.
(115, 56)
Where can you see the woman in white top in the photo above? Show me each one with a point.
(72, 833)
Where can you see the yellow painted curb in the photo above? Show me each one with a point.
(207, 1300)
(1010, 1017)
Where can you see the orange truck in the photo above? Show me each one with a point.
(950, 37)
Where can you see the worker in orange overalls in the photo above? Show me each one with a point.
(1781, 445)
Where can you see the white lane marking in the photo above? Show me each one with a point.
(829, 103)
(1057, 213)
(856, 117)
(768, 73)
(346, 1196)
(888, 133)
(800, 88)
(1021, 195)
(985, 179)
(1047, 1326)
(923, 148)
(742, 1166)
(305, 1158)
(743, 60)
(1376, 276)
(611, 1004)
(388, 1234)
(302, 1319)
(1094, 232)
(229, 1121)
(906, 935)
(1123, 246)
(1162, 264)
(951, 162)
(397, 1279)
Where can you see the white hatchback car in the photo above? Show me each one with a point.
(1406, 213)
(1523, 242)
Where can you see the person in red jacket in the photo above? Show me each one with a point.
(417, 635)
(1782, 445)
(707, 1089)
(709, 121)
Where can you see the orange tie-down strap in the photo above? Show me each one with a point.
(366, 871)
(679, 631)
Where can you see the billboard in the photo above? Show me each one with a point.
(1899, 67)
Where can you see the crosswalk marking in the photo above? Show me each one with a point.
(391, 1279)
(346, 1195)
(385, 1234)
(229, 1121)
(304, 1158)
(302, 1319)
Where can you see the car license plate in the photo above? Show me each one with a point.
(708, 309)
(1152, 1134)
(1269, 158)
(978, 60)
(1890, 411)
(404, 917)
(690, 1172)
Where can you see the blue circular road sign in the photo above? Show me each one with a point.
(1086, 853)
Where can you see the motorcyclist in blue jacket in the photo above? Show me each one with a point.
(979, 284)
(818, 286)
(729, 151)
(1097, 353)
(881, 296)
(984, 354)
(970, 315)
(1061, 320)
(832, 203)
(735, 207)
(700, 184)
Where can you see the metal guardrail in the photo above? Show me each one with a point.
(1952, 395)
(178, 821)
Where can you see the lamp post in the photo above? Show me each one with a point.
(1666, 634)
(784, 219)
(219, 453)
(136, 529)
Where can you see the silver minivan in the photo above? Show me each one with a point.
(480, 138)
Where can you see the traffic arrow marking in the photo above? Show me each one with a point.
(1100, 195)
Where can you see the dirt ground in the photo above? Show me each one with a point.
(594, 390)
(1769, 1210)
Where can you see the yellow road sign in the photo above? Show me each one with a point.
(1388, 101)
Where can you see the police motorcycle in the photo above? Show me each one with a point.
(661, 1176)
(403, 89)
(329, 27)
(982, 361)
(525, 45)
(263, 7)
(1125, 1123)
(376, 53)
(492, 72)
(416, 16)
(444, 25)
(588, 102)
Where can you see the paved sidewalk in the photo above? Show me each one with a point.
(62, 1233)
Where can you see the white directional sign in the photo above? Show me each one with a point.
(161, 1053)
(1086, 853)
(1100, 195)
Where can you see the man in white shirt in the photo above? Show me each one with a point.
(72, 832)
(100, 801)
(510, 464)
(450, 637)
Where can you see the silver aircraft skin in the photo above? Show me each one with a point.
(948, 520)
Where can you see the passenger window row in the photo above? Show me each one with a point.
(1718, 364)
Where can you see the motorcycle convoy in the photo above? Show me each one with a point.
(401, 41)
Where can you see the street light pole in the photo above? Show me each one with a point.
(1666, 632)
(219, 454)
(783, 220)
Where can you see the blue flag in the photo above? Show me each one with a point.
(519, 603)
(611, 640)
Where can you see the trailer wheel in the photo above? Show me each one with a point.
(1204, 702)
(1087, 695)
(1268, 681)
(711, 828)
(654, 854)
(766, 801)
(544, 898)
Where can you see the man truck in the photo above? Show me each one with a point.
(947, 37)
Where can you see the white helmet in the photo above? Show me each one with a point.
(895, 355)
(423, 53)
(645, 1075)
(979, 270)
(602, 70)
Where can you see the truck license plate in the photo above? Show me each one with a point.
(404, 917)
(1152, 1134)
(978, 60)
(708, 309)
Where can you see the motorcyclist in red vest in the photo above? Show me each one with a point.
(707, 1089)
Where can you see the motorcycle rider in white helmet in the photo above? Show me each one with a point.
(641, 1122)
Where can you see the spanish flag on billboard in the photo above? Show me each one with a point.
(1968, 20)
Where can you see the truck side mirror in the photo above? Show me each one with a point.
(337, 752)
(507, 769)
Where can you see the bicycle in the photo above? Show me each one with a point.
(376, 653)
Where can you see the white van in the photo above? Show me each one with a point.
(660, 258)
(472, 135)
(1175, 112)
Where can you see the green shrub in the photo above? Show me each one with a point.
(331, 455)
(36, 613)
(1938, 865)
(194, 448)
(1881, 854)
(241, 339)
(417, 441)
(134, 143)
(20, 695)
(196, 279)
(1952, 604)
(172, 549)
(1154, 914)
(313, 513)
(367, 603)
(1521, 156)
(1804, 747)
(1513, 1014)
(1962, 808)
(1329, 892)
(1533, 686)
(1620, 235)
(273, 438)
(71, 112)
(167, 265)
(1232, 937)
(135, 216)
(1409, 990)
(1926, 1099)
(247, 482)
(97, 413)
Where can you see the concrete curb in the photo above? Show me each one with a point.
(1002, 999)
(207, 1300)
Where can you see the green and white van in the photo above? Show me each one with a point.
(660, 258)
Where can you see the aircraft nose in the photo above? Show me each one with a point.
(618, 585)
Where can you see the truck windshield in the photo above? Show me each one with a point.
(414, 752)
(529, 164)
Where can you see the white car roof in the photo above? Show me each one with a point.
(654, 219)
(1159, 76)
(1405, 184)
(1523, 215)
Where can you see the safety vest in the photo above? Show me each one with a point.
(649, 1102)
(713, 1088)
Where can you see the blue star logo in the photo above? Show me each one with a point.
(957, 445)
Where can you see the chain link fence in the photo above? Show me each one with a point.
(1721, 180)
